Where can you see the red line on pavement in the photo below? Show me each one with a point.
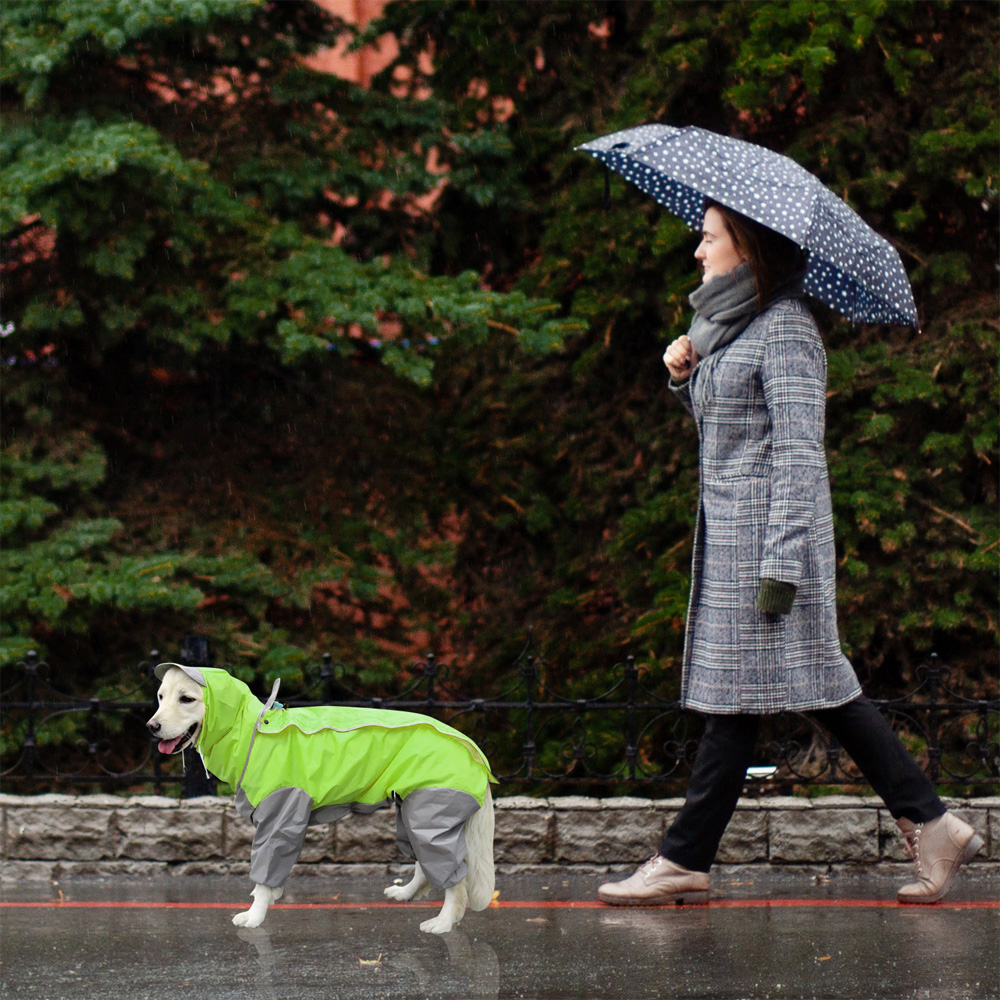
(728, 904)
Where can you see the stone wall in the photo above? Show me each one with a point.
(60, 836)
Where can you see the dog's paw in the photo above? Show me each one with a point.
(406, 893)
(438, 925)
(249, 918)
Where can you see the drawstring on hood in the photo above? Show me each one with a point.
(256, 730)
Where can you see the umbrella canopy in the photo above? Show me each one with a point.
(851, 267)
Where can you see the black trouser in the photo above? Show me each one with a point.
(725, 752)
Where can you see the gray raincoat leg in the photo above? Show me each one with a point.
(280, 823)
(430, 827)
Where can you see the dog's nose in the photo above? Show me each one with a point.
(153, 726)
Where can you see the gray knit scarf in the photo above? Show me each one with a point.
(727, 304)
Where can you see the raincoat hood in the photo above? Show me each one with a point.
(231, 713)
(194, 673)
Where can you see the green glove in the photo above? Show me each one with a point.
(775, 597)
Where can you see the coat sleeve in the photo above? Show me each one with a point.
(682, 390)
(794, 384)
(280, 823)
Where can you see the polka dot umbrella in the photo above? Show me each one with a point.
(851, 267)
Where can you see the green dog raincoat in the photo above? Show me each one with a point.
(296, 767)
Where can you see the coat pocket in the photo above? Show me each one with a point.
(753, 502)
(763, 676)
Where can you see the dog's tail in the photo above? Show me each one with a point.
(479, 840)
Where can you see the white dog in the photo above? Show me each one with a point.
(315, 765)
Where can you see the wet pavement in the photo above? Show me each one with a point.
(792, 936)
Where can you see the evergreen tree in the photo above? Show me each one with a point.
(271, 377)
(194, 221)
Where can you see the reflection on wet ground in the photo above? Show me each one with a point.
(819, 938)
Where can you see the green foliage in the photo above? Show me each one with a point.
(40, 41)
(64, 568)
(148, 235)
(794, 44)
(125, 229)
(913, 489)
(282, 377)
(328, 295)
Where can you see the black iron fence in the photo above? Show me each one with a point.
(614, 734)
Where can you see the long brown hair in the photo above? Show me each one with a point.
(771, 256)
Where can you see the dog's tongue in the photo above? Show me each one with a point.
(169, 746)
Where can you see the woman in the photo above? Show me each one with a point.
(762, 629)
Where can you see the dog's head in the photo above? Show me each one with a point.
(177, 722)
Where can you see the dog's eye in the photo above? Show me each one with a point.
(186, 699)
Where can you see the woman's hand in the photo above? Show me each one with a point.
(680, 358)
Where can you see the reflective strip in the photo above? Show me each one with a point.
(460, 737)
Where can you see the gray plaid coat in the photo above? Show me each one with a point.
(764, 511)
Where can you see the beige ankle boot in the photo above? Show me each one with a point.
(657, 882)
(939, 848)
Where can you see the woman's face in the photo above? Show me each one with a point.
(716, 253)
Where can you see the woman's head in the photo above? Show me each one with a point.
(729, 239)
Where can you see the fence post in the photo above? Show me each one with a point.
(430, 672)
(933, 722)
(31, 672)
(991, 764)
(631, 749)
(93, 727)
(154, 659)
(326, 678)
(196, 652)
(530, 674)
(833, 757)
